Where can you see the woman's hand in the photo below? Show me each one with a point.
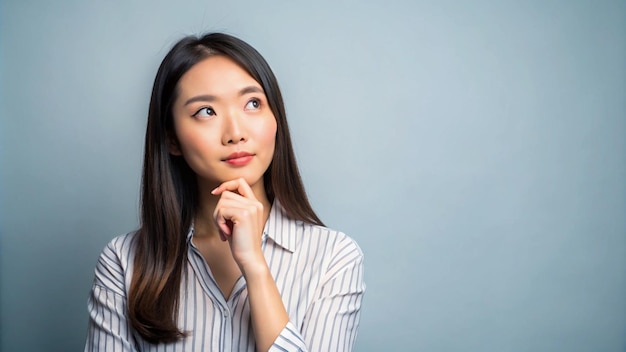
(240, 220)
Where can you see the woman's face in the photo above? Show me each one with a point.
(224, 126)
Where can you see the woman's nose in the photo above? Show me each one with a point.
(234, 129)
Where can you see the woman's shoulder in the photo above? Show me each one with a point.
(115, 263)
(339, 243)
(119, 248)
(292, 234)
(336, 254)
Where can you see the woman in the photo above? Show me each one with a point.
(230, 255)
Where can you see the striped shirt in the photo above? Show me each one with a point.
(318, 272)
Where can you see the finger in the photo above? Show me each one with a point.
(233, 196)
(223, 236)
(233, 200)
(235, 212)
(224, 218)
(238, 185)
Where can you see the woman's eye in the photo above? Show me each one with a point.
(253, 104)
(206, 111)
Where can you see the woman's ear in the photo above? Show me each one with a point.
(172, 144)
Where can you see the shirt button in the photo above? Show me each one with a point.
(226, 314)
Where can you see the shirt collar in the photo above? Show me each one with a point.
(278, 227)
(190, 233)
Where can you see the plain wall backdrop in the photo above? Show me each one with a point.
(476, 150)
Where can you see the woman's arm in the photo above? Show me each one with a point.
(240, 218)
(109, 329)
(332, 320)
(267, 311)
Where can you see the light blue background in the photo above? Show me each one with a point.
(476, 150)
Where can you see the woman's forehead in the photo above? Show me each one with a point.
(218, 76)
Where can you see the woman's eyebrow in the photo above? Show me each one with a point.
(204, 98)
(211, 98)
(250, 89)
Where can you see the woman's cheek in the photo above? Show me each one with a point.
(199, 143)
(268, 133)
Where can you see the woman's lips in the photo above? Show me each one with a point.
(239, 158)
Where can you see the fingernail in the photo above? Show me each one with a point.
(215, 190)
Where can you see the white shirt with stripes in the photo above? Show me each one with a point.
(318, 272)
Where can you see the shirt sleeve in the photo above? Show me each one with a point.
(289, 339)
(109, 329)
(332, 319)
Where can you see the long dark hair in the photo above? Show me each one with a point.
(169, 187)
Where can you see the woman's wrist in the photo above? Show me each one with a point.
(253, 269)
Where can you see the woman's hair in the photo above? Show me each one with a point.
(169, 192)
